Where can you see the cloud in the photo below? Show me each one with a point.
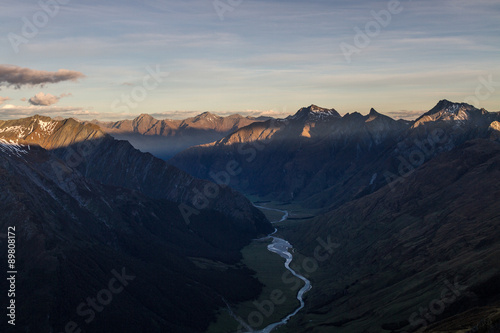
(247, 113)
(405, 114)
(4, 99)
(42, 99)
(10, 111)
(18, 76)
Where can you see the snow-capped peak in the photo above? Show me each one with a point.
(315, 113)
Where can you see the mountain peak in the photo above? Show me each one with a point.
(449, 111)
(47, 132)
(315, 113)
(145, 116)
(449, 107)
(235, 116)
(206, 114)
(316, 108)
(373, 115)
(20, 129)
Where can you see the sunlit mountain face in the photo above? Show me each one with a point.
(409, 200)
(406, 210)
(87, 209)
(235, 166)
(322, 159)
(166, 138)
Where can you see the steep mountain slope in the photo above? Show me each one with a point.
(301, 157)
(88, 209)
(410, 212)
(75, 235)
(322, 160)
(165, 138)
(99, 157)
(399, 247)
(460, 113)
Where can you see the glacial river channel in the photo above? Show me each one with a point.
(283, 248)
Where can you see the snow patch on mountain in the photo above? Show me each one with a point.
(315, 113)
(47, 126)
(19, 130)
(12, 148)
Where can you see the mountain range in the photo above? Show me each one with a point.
(323, 160)
(165, 138)
(411, 207)
(87, 207)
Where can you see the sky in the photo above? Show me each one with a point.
(114, 60)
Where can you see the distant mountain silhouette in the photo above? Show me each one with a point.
(165, 138)
(323, 160)
(298, 158)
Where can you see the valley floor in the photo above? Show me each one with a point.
(279, 296)
(270, 272)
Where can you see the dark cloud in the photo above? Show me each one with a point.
(17, 76)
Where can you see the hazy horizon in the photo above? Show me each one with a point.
(182, 115)
(120, 59)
